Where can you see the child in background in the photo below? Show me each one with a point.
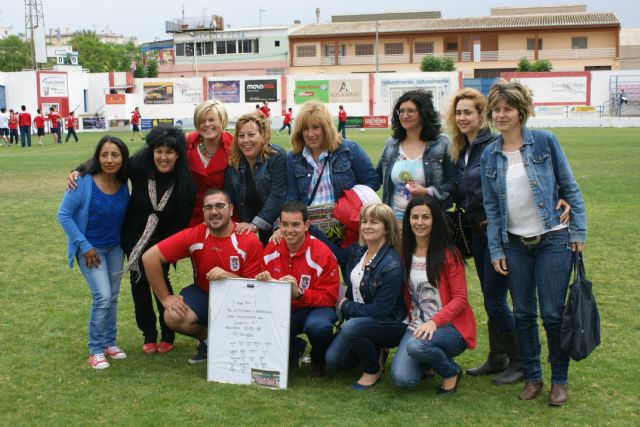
(71, 128)
(38, 120)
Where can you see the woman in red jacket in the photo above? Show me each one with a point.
(442, 325)
(207, 151)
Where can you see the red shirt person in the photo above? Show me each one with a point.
(265, 109)
(216, 252)
(39, 120)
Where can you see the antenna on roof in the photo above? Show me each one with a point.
(261, 11)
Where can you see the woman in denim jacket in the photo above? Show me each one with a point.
(320, 153)
(256, 179)
(414, 160)
(374, 304)
(523, 173)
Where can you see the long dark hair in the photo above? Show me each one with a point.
(172, 138)
(428, 115)
(94, 163)
(440, 240)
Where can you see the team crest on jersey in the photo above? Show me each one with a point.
(305, 281)
(234, 263)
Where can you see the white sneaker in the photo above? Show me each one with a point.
(98, 361)
(115, 352)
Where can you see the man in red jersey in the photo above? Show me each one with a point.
(38, 120)
(286, 122)
(265, 109)
(55, 130)
(71, 127)
(312, 269)
(24, 121)
(342, 121)
(135, 123)
(216, 252)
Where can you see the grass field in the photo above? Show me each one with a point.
(45, 378)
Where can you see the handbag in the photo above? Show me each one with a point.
(322, 215)
(580, 330)
(460, 230)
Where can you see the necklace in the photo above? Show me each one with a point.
(368, 262)
(205, 152)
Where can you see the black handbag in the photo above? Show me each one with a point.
(460, 231)
(580, 331)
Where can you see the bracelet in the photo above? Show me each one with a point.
(254, 227)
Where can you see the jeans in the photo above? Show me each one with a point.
(71, 132)
(415, 355)
(104, 282)
(143, 305)
(317, 325)
(288, 125)
(13, 133)
(25, 132)
(540, 272)
(342, 129)
(494, 286)
(360, 339)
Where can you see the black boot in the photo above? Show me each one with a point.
(514, 373)
(497, 360)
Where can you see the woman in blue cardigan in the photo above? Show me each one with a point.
(92, 216)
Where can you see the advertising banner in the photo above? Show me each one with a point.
(555, 88)
(260, 90)
(94, 123)
(158, 93)
(119, 124)
(146, 124)
(311, 90)
(227, 91)
(368, 122)
(114, 99)
(343, 91)
(53, 84)
(188, 91)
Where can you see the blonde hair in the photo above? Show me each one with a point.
(384, 214)
(315, 112)
(264, 128)
(516, 95)
(458, 139)
(210, 105)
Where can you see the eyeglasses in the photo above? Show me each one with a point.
(218, 207)
(407, 111)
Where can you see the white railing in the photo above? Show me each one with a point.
(311, 61)
(357, 60)
(505, 55)
(604, 52)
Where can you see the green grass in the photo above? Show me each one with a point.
(45, 378)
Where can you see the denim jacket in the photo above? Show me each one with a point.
(381, 286)
(548, 172)
(469, 181)
(348, 165)
(270, 179)
(439, 170)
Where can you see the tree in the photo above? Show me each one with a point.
(543, 65)
(436, 63)
(524, 65)
(15, 54)
(152, 68)
(101, 57)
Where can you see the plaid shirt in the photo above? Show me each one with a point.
(324, 194)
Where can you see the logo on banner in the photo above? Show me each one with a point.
(234, 263)
(305, 282)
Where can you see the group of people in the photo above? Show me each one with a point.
(15, 125)
(240, 206)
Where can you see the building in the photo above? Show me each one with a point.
(482, 47)
(630, 49)
(203, 46)
(160, 50)
(58, 37)
(5, 32)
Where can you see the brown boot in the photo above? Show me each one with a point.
(497, 360)
(531, 390)
(558, 394)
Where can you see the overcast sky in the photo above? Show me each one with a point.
(145, 19)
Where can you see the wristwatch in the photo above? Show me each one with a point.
(254, 228)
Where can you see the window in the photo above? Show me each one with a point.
(329, 50)
(305, 51)
(531, 43)
(424, 47)
(245, 46)
(179, 49)
(578, 42)
(393, 48)
(188, 49)
(451, 46)
(231, 46)
(364, 49)
(205, 48)
(277, 43)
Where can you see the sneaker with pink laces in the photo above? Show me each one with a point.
(98, 361)
(114, 352)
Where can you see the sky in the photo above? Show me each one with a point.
(145, 19)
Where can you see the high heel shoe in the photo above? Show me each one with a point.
(442, 391)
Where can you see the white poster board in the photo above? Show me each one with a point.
(249, 323)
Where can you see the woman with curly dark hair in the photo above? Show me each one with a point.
(414, 160)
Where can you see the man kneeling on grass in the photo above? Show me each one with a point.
(312, 269)
(217, 253)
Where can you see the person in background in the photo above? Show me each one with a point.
(39, 120)
(24, 121)
(4, 126)
(342, 121)
(71, 127)
(523, 174)
(54, 125)
(265, 108)
(92, 216)
(13, 127)
(286, 122)
(135, 124)
(442, 325)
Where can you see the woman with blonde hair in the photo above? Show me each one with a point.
(523, 173)
(256, 179)
(374, 304)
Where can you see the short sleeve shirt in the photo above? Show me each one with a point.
(240, 255)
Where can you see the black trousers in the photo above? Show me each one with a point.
(143, 305)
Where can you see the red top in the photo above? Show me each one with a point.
(70, 123)
(53, 118)
(342, 115)
(265, 110)
(314, 266)
(39, 121)
(24, 119)
(135, 118)
(212, 175)
(240, 255)
(13, 121)
(452, 286)
(287, 118)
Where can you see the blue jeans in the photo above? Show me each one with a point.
(104, 282)
(317, 324)
(360, 339)
(25, 132)
(494, 286)
(414, 356)
(342, 129)
(540, 272)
